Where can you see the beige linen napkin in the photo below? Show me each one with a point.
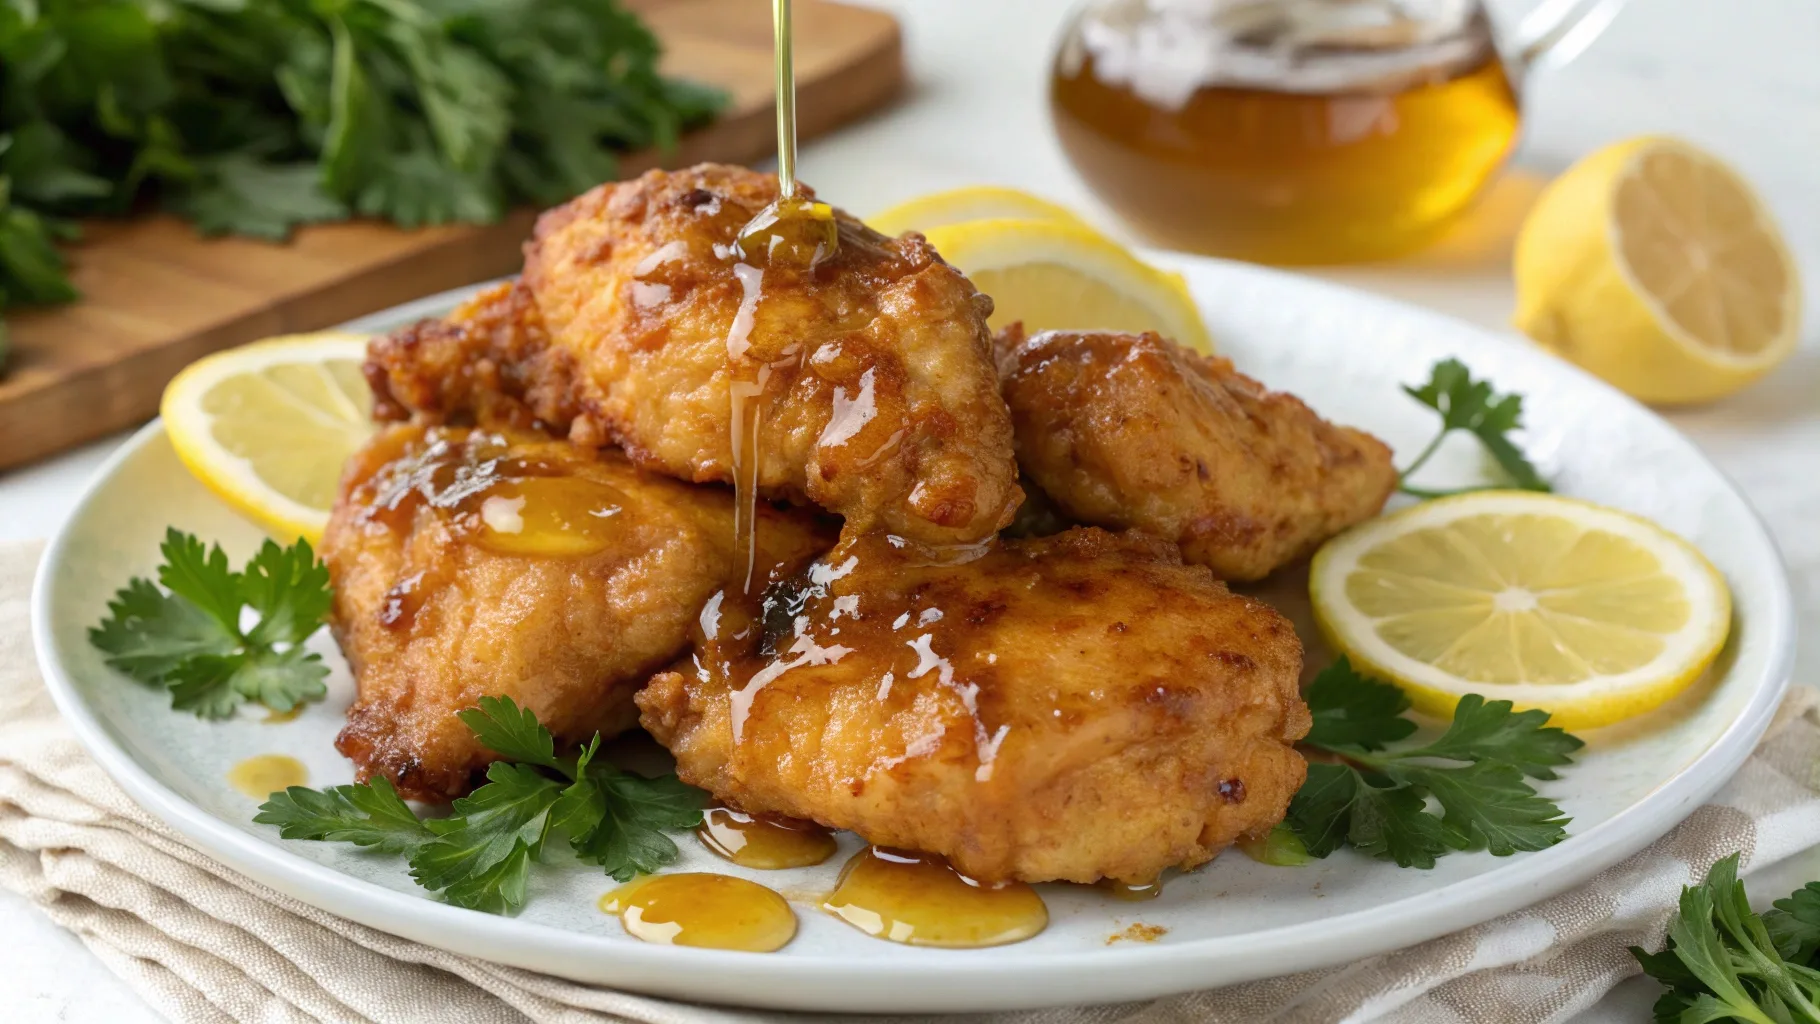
(204, 944)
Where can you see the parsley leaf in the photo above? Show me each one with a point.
(1390, 823)
(636, 811)
(1471, 405)
(188, 639)
(1493, 731)
(240, 194)
(1375, 797)
(1720, 962)
(149, 633)
(1488, 805)
(512, 732)
(480, 857)
(481, 851)
(1351, 710)
(289, 589)
(366, 815)
(201, 576)
(31, 268)
(1795, 924)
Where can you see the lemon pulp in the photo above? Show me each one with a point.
(1052, 275)
(1586, 612)
(268, 426)
(1654, 265)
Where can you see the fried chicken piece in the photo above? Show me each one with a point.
(1067, 708)
(1125, 431)
(469, 564)
(637, 317)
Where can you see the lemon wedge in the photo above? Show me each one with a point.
(974, 202)
(1589, 613)
(1055, 275)
(267, 426)
(1655, 266)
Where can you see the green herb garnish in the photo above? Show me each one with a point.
(254, 116)
(1471, 405)
(188, 636)
(1723, 962)
(480, 856)
(1377, 798)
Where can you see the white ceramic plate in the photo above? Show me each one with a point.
(1346, 353)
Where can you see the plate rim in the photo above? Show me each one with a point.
(1018, 981)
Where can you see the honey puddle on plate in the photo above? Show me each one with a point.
(261, 776)
(695, 908)
(921, 900)
(764, 842)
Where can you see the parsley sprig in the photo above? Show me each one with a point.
(1376, 797)
(480, 856)
(188, 636)
(1471, 405)
(1723, 962)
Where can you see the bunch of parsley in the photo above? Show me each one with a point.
(481, 855)
(189, 636)
(1723, 962)
(254, 116)
(1375, 795)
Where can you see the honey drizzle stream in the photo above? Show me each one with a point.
(748, 400)
(786, 99)
(746, 390)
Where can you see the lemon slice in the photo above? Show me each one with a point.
(267, 426)
(1655, 266)
(1053, 275)
(974, 202)
(1591, 614)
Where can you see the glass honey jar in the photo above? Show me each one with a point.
(1293, 131)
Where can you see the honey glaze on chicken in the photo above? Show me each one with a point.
(1069, 708)
(520, 501)
(468, 563)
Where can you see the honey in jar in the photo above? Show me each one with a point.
(1284, 131)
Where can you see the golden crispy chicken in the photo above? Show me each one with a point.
(638, 322)
(470, 563)
(1073, 707)
(1125, 430)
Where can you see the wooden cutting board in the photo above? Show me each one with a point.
(156, 297)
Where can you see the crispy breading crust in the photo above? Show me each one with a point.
(1125, 431)
(1075, 707)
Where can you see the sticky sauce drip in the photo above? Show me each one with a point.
(506, 502)
(703, 909)
(764, 842)
(794, 231)
(921, 900)
(551, 516)
(1133, 892)
(264, 774)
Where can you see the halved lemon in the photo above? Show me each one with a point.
(1591, 614)
(973, 202)
(1653, 264)
(267, 426)
(1053, 275)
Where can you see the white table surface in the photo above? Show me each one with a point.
(1737, 77)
